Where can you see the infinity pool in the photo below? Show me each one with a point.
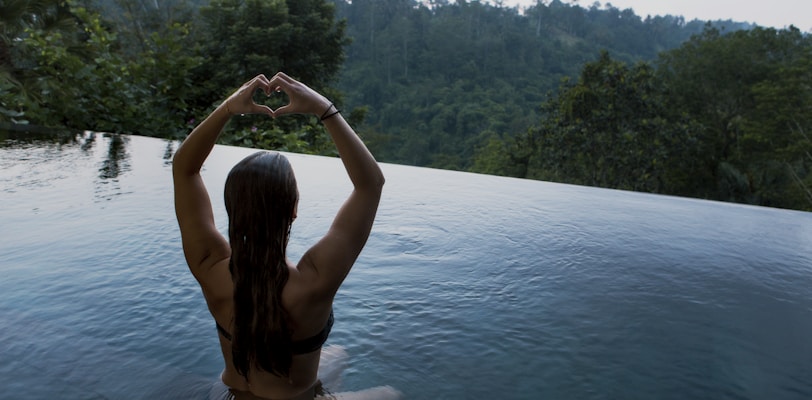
(470, 287)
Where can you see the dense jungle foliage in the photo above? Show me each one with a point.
(722, 117)
(587, 95)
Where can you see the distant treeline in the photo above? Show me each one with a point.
(595, 96)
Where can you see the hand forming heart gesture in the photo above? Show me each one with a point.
(302, 99)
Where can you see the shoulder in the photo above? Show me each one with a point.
(309, 285)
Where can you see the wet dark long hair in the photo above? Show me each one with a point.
(260, 198)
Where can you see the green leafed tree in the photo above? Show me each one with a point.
(242, 38)
(777, 134)
(751, 92)
(75, 75)
(610, 128)
(18, 19)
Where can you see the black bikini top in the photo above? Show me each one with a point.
(303, 346)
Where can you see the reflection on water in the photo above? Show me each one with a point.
(169, 152)
(87, 140)
(116, 161)
(24, 136)
(36, 146)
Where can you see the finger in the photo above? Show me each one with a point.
(257, 80)
(260, 109)
(282, 80)
(260, 83)
(266, 84)
(281, 87)
(283, 76)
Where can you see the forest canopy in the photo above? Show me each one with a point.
(587, 95)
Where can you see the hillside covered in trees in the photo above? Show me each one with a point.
(587, 95)
(439, 78)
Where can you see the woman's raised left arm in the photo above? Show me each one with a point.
(203, 245)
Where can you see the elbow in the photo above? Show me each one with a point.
(180, 167)
(180, 172)
(378, 180)
(177, 168)
(373, 183)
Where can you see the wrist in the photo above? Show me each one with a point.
(223, 107)
(326, 107)
(330, 111)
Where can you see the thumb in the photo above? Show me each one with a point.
(286, 109)
(260, 109)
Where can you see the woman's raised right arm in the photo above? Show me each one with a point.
(333, 256)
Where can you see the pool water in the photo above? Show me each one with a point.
(471, 286)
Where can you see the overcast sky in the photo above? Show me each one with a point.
(770, 13)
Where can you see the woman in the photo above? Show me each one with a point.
(272, 315)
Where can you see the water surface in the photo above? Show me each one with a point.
(471, 286)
